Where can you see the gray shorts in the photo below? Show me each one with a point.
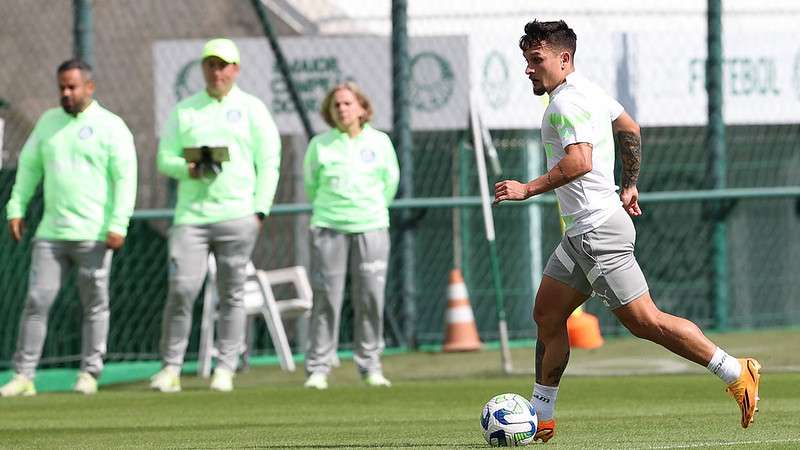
(601, 260)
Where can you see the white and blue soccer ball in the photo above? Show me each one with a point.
(508, 420)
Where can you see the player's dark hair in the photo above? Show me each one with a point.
(556, 34)
(76, 63)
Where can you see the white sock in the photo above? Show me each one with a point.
(725, 366)
(544, 400)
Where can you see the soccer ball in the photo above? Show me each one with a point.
(508, 420)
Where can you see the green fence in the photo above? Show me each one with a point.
(673, 247)
(761, 210)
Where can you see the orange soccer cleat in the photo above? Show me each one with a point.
(545, 430)
(745, 389)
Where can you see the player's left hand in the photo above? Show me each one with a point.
(16, 227)
(114, 241)
(509, 190)
(630, 201)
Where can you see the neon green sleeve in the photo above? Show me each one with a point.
(310, 170)
(122, 169)
(170, 152)
(29, 174)
(266, 156)
(392, 175)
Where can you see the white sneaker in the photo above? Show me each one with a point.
(222, 380)
(166, 380)
(86, 384)
(317, 380)
(376, 379)
(20, 385)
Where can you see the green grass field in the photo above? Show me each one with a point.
(435, 403)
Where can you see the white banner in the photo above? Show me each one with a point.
(439, 77)
(658, 77)
(761, 78)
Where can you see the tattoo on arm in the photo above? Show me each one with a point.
(631, 151)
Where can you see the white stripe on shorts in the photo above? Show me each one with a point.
(593, 274)
(562, 256)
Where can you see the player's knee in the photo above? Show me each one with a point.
(646, 327)
(231, 300)
(39, 300)
(538, 316)
(638, 329)
(96, 307)
(547, 318)
(183, 291)
(93, 276)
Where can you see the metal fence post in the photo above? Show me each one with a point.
(717, 161)
(401, 118)
(83, 31)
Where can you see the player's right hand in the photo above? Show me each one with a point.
(509, 190)
(16, 227)
(114, 241)
(630, 201)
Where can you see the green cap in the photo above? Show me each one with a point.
(223, 49)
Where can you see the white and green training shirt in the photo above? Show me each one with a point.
(351, 181)
(88, 166)
(581, 112)
(247, 182)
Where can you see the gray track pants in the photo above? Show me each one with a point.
(232, 242)
(51, 261)
(368, 255)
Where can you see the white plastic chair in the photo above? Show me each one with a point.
(259, 300)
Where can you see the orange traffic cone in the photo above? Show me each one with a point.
(462, 333)
(584, 330)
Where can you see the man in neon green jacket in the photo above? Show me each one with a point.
(217, 211)
(351, 177)
(85, 156)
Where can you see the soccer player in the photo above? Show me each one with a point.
(596, 253)
(85, 157)
(215, 212)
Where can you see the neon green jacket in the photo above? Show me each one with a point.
(247, 182)
(88, 164)
(351, 182)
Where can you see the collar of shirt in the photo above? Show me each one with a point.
(342, 135)
(569, 79)
(231, 95)
(88, 112)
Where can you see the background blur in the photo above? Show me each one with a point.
(718, 240)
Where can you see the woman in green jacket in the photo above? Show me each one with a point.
(351, 177)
